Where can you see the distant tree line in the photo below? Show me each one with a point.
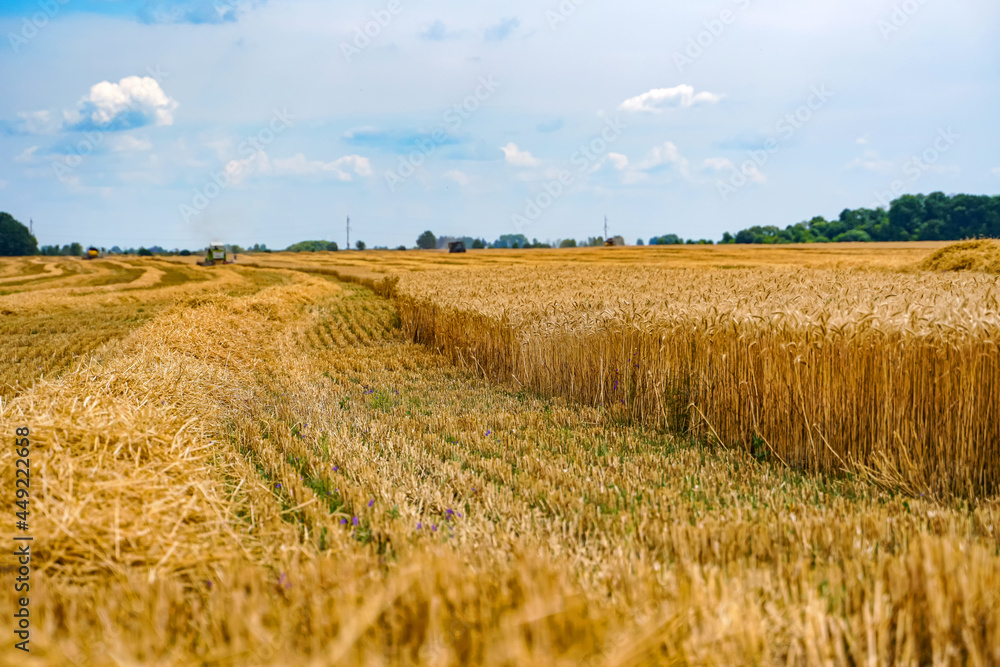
(428, 241)
(933, 217)
(673, 239)
(17, 240)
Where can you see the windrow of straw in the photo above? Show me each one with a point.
(891, 379)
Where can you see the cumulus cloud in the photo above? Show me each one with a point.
(716, 164)
(132, 102)
(658, 100)
(661, 159)
(665, 156)
(298, 165)
(515, 156)
(618, 160)
(459, 177)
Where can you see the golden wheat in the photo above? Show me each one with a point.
(274, 474)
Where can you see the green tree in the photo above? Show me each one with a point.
(360, 245)
(567, 243)
(478, 244)
(856, 235)
(427, 241)
(15, 239)
(143, 252)
(312, 246)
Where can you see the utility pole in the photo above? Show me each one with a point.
(31, 226)
(605, 228)
(348, 233)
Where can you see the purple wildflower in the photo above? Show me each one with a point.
(343, 521)
(354, 521)
(419, 526)
(434, 527)
(278, 485)
(371, 502)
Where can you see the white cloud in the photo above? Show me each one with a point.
(128, 144)
(239, 170)
(753, 174)
(862, 141)
(658, 100)
(132, 102)
(517, 157)
(716, 164)
(666, 155)
(618, 160)
(299, 165)
(3, 184)
(871, 161)
(996, 172)
(37, 122)
(27, 155)
(459, 177)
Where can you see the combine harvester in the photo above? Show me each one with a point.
(217, 255)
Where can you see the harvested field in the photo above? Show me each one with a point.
(273, 466)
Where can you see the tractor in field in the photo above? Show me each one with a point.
(456, 246)
(92, 253)
(216, 255)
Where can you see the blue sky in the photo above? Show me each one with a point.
(174, 122)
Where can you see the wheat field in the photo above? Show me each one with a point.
(642, 456)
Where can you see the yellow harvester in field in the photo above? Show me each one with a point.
(92, 253)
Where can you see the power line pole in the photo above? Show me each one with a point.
(31, 226)
(605, 228)
(348, 233)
